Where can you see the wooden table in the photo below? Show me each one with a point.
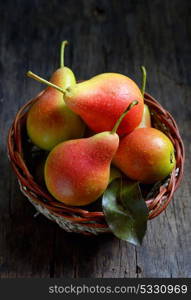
(105, 36)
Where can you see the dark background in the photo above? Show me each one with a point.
(106, 35)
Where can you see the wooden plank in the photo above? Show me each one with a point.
(26, 247)
(96, 257)
(166, 251)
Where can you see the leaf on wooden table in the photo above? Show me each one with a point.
(125, 210)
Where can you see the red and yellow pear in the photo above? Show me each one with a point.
(101, 100)
(78, 171)
(50, 121)
(146, 155)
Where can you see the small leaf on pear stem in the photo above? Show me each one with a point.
(125, 210)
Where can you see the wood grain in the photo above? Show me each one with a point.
(105, 36)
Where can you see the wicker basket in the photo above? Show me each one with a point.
(75, 219)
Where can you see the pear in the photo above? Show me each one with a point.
(146, 155)
(50, 121)
(146, 118)
(101, 100)
(78, 171)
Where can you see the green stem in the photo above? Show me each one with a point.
(40, 79)
(144, 79)
(63, 44)
(131, 105)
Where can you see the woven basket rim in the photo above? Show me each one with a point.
(40, 196)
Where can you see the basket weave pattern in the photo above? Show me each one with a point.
(75, 219)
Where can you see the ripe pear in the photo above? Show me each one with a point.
(101, 100)
(50, 121)
(78, 171)
(146, 155)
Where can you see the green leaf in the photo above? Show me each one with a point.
(125, 210)
(114, 173)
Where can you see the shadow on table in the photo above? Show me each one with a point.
(37, 247)
(82, 256)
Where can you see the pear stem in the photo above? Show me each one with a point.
(40, 79)
(63, 44)
(131, 105)
(144, 79)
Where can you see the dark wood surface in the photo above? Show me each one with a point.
(106, 35)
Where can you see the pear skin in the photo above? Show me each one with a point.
(146, 155)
